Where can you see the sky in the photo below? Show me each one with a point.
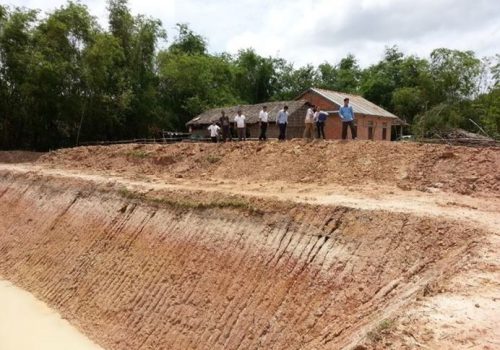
(307, 31)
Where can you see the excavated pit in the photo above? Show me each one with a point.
(135, 270)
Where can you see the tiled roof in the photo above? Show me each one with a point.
(359, 104)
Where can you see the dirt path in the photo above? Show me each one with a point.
(483, 212)
(26, 324)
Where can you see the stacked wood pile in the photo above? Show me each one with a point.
(463, 138)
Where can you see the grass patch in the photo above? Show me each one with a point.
(127, 194)
(178, 202)
(376, 334)
(186, 203)
(139, 154)
(212, 158)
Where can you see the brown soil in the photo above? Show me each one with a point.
(423, 167)
(143, 255)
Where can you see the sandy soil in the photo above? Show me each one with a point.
(260, 246)
(28, 324)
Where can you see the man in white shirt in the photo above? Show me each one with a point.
(263, 122)
(239, 120)
(214, 131)
(309, 123)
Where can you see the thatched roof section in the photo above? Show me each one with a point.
(251, 112)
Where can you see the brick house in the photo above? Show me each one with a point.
(372, 121)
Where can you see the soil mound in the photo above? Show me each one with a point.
(423, 167)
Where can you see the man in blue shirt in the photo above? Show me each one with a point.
(282, 121)
(347, 115)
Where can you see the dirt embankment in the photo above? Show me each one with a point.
(322, 245)
(423, 167)
(19, 156)
(168, 274)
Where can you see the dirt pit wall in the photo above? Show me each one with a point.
(135, 272)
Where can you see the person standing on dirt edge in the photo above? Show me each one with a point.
(347, 115)
(263, 121)
(224, 122)
(309, 123)
(214, 131)
(282, 121)
(239, 120)
(320, 117)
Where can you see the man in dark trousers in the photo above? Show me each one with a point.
(263, 122)
(347, 115)
(320, 123)
(282, 121)
(225, 124)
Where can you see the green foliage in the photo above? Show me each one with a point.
(455, 74)
(383, 328)
(408, 102)
(438, 119)
(189, 84)
(187, 42)
(293, 82)
(189, 203)
(255, 76)
(137, 154)
(213, 158)
(486, 112)
(345, 76)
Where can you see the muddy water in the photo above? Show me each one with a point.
(27, 324)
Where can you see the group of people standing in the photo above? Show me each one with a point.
(240, 125)
(317, 117)
(314, 117)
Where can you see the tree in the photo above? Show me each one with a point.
(293, 82)
(138, 86)
(455, 74)
(16, 42)
(188, 42)
(106, 98)
(408, 102)
(348, 74)
(255, 76)
(60, 40)
(190, 84)
(379, 81)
